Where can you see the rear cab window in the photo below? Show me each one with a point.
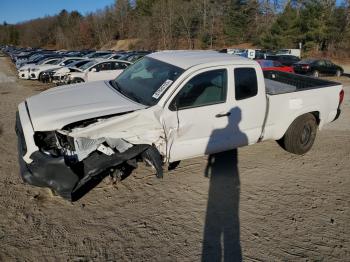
(246, 83)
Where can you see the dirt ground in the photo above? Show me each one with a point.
(259, 202)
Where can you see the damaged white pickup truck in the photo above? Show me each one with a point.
(167, 107)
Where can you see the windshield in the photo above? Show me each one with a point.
(58, 62)
(69, 62)
(87, 65)
(147, 80)
(43, 61)
(97, 55)
(306, 61)
(105, 56)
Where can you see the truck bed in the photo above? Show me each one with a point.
(277, 82)
(292, 95)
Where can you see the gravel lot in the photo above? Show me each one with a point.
(259, 202)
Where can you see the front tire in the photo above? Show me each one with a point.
(40, 77)
(300, 135)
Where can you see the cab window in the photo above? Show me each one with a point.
(246, 84)
(207, 88)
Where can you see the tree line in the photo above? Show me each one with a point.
(319, 25)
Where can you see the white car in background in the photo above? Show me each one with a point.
(98, 70)
(36, 71)
(59, 75)
(23, 72)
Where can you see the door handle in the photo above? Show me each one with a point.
(222, 115)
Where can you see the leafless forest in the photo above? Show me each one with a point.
(320, 25)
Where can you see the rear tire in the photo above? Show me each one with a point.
(316, 73)
(300, 135)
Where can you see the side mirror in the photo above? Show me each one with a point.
(93, 70)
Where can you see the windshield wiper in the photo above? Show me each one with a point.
(116, 86)
(132, 95)
(127, 94)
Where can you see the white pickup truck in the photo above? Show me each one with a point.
(169, 106)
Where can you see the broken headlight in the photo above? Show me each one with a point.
(47, 142)
(65, 141)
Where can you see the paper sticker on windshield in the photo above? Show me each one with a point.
(162, 88)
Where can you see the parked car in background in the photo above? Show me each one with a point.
(318, 67)
(36, 58)
(262, 53)
(274, 65)
(98, 70)
(55, 75)
(287, 60)
(36, 71)
(133, 55)
(113, 56)
(98, 54)
(59, 76)
(24, 71)
(293, 52)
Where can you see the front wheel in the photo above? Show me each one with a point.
(300, 135)
(40, 77)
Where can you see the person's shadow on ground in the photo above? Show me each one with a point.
(221, 240)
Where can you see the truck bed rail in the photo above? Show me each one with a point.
(300, 82)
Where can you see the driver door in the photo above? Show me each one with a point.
(200, 119)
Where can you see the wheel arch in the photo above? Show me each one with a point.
(286, 125)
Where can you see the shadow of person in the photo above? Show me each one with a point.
(221, 241)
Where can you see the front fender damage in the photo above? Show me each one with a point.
(97, 150)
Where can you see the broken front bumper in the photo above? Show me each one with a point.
(67, 180)
(45, 170)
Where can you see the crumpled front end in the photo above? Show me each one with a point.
(66, 159)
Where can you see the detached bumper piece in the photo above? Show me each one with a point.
(69, 180)
(46, 171)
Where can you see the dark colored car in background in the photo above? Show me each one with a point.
(287, 60)
(268, 65)
(317, 67)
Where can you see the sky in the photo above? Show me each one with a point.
(14, 11)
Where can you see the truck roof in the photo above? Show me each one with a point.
(187, 59)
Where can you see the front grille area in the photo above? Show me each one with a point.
(20, 135)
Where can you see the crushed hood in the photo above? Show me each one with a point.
(60, 106)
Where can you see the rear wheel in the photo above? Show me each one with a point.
(315, 73)
(300, 135)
